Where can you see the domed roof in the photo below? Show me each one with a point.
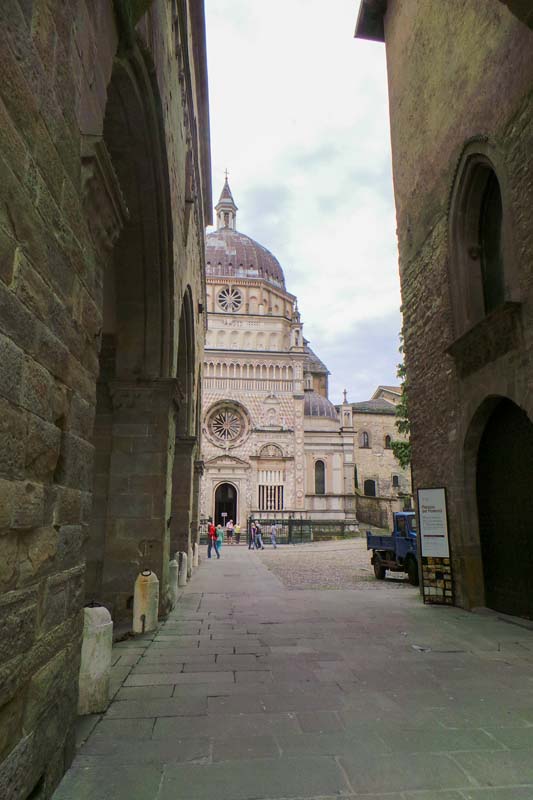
(317, 406)
(231, 254)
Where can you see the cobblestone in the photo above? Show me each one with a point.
(329, 565)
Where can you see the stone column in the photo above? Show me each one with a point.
(195, 514)
(139, 470)
(182, 493)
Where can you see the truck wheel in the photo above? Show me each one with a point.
(412, 572)
(379, 569)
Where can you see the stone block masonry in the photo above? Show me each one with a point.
(437, 584)
(101, 250)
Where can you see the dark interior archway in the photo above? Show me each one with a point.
(370, 488)
(225, 502)
(128, 526)
(505, 509)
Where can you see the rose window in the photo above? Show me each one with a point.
(226, 425)
(229, 299)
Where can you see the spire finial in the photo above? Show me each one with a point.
(345, 393)
(226, 208)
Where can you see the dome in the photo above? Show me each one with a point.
(230, 254)
(317, 406)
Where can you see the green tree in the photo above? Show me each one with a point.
(402, 449)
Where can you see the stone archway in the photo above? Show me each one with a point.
(186, 436)
(131, 226)
(505, 509)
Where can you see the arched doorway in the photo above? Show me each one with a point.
(225, 502)
(505, 509)
(370, 488)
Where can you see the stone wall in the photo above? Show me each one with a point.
(377, 511)
(377, 462)
(461, 79)
(70, 271)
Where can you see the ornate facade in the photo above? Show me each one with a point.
(273, 443)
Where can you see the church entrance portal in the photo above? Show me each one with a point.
(505, 507)
(225, 502)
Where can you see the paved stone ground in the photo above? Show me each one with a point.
(329, 565)
(252, 691)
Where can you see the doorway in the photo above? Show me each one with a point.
(505, 509)
(225, 503)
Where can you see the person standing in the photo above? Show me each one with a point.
(219, 539)
(258, 538)
(211, 539)
(238, 533)
(273, 534)
(251, 543)
(229, 531)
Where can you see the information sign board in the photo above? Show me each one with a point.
(433, 522)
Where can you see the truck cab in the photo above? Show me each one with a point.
(397, 552)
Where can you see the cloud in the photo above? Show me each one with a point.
(299, 116)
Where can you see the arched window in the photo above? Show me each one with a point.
(370, 488)
(320, 477)
(482, 269)
(490, 244)
(364, 439)
(395, 481)
(388, 442)
(355, 478)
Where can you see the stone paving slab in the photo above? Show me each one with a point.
(252, 691)
(258, 778)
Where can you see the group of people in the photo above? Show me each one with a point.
(255, 542)
(256, 538)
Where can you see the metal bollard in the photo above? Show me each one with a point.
(173, 583)
(195, 555)
(182, 574)
(95, 667)
(145, 602)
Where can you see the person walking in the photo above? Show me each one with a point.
(258, 539)
(219, 539)
(238, 533)
(229, 531)
(251, 542)
(273, 534)
(211, 538)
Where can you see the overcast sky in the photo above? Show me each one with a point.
(299, 117)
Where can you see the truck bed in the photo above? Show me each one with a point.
(374, 542)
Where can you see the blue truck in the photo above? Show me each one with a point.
(397, 552)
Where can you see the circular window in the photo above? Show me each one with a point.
(230, 299)
(227, 424)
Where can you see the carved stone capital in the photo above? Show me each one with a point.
(199, 467)
(102, 196)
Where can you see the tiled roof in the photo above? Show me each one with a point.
(317, 406)
(374, 407)
(231, 254)
(313, 363)
(226, 194)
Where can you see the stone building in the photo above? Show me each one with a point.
(273, 444)
(461, 108)
(105, 194)
(377, 472)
